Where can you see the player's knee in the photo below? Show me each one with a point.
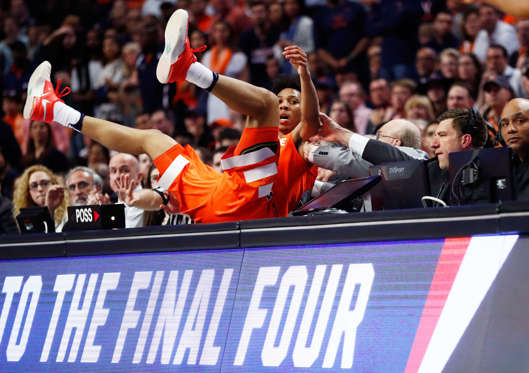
(154, 139)
(262, 102)
(269, 100)
(267, 109)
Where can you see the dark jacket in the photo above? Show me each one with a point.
(7, 223)
(521, 178)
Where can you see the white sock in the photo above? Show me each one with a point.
(199, 75)
(65, 115)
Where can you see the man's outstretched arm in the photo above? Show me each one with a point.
(373, 151)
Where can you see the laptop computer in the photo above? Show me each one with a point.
(35, 219)
(339, 195)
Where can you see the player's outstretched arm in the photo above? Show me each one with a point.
(310, 106)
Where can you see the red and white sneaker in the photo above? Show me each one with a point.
(177, 55)
(41, 97)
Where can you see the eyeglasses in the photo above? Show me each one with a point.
(43, 183)
(80, 185)
(517, 120)
(379, 135)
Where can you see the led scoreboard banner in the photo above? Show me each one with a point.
(457, 304)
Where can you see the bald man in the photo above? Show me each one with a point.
(514, 126)
(400, 133)
(121, 165)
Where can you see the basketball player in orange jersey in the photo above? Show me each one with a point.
(298, 120)
(241, 192)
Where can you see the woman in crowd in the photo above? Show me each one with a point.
(97, 153)
(39, 186)
(145, 163)
(342, 114)
(469, 29)
(448, 63)
(154, 217)
(129, 92)
(109, 80)
(41, 149)
(419, 110)
(299, 32)
(61, 47)
(469, 70)
(223, 59)
(276, 15)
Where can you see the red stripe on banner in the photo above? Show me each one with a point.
(452, 254)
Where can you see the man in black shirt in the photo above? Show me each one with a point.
(514, 126)
(258, 42)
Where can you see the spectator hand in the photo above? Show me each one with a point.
(172, 207)
(98, 198)
(54, 197)
(297, 57)
(124, 189)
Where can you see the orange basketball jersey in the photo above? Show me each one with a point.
(241, 192)
(294, 177)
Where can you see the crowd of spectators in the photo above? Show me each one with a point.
(372, 61)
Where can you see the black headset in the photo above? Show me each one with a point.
(474, 120)
(499, 137)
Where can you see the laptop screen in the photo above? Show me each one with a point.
(351, 188)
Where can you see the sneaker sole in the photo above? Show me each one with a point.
(36, 86)
(175, 38)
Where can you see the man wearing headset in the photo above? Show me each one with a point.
(514, 131)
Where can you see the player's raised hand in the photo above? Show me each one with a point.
(297, 57)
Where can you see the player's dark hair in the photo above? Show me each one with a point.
(286, 81)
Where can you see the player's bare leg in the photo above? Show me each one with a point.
(178, 63)
(43, 103)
